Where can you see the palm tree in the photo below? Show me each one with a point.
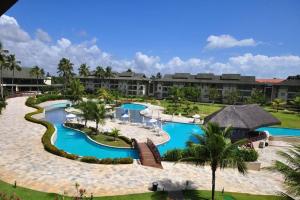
(108, 72)
(115, 133)
(98, 113)
(100, 73)
(277, 103)
(3, 64)
(37, 72)
(290, 169)
(176, 94)
(13, 65)
(214, 147)
(84, 70)
(296, 102)
(104, 94)
(86, 109)
(65, 70)
(75, 90)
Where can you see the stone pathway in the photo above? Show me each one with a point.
(24, 159)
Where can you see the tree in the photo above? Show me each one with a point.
(84, 70)
(191, 93)
(257, 96)
(176, 94)
(100, 73)
(104, 94)
(13, 65)
(214, 147)
(129, 70)
(232, 97)
(75, 90)
(115, 133)
(296, 102)
(290, 169)
(65, 70)
(158, 75)
(3, 65)
(98, 114)
(277, 103)
(108, 72)
(37, 72)
(87, 110)
(213, 94)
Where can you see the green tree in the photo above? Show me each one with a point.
(176, 94)
(296, 102)
(191, 93)
(277, 103)
(290, 168)
(258, 97)
(115, 133)
(86, 108)
(98, 114)
(232, 97)
(2, 104)
(13, 65)
(37, 72)
(214, 147)
(108, 72)
(213, 94)
(65, 70)
(3, 65)
(84, 70)
(75, 90)
(104, 94)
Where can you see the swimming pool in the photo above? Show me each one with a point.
(277, 131)
(133, 106)
(75, 142)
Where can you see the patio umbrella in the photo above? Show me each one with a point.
(70, 116)
(152, 120)
(125, 116)
(196, 116)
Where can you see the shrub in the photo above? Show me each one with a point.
(173, 155)
(89, 159)
(248, 155)
(106, 161)
(126, 139)
(74, 125)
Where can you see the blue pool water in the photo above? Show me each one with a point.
(133, 106)
(77, 143)
(277, 131)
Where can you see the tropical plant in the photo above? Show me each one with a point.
(290, 168)
(13, 65)
(191, 93)
(232, 97)
(158, 75)
(98, 114)
(2, 104)
(65, 70)
(37, 72)
(115, 133)
(100, 72)
(213, 94)
(75, 90)
(3, 65)
(176, 94)
(214, 147)
(296, 102)
(129, 70)
(104, 94)
(84, 70)
(86, 111)
(108, 72)
(277, 103)
(257, 96)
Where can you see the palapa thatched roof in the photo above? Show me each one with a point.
(242, 117)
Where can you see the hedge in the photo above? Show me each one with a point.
(91, 159)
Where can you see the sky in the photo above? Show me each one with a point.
(257, 37)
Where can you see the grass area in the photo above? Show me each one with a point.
(109, 140)
(288, 120)
(27, 194)
(206, 195)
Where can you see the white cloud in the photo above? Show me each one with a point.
(227, 41)
(42, 35)
(44, 53)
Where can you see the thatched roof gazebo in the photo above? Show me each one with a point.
(244, 119)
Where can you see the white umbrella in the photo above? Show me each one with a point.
(70, 116)
(125, 116)
(196, 116)
(107, 107)
(152, 120)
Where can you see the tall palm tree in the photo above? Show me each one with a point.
(3, 64)
(75, 90)
(98, 114)
(115, 133)
(13, 65)
(290, 169)
(65, 70)
(84, 70)
(37, 72)
(108, 72)
(214, 147)
(86, 108)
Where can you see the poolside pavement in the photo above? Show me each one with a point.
(24, 159)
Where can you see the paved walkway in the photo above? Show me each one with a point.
(24, 159)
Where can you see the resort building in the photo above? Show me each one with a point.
(22, 80)
(136, 84)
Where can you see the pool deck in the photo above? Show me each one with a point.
(24, 159)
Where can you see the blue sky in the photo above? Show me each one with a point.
(245, 37)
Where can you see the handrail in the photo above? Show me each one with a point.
(154, 150)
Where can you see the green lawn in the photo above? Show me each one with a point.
(205, 195)
(288, 120)
(108, 140)
(27, 194)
